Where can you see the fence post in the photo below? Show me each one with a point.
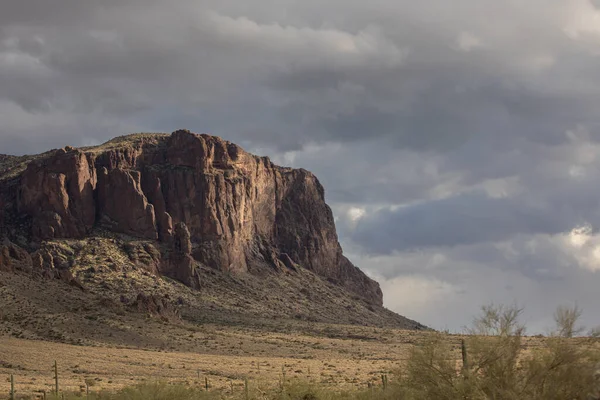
(465, 360)
(12, 387)
(206, 383)
(56, 377)
(282, 383)
(384, 381)
(246, 389)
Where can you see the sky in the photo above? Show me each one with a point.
(458, 141)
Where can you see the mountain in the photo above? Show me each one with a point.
(165, 223)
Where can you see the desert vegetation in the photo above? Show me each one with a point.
(496, 365)
(494, 360)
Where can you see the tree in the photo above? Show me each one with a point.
(566, 320)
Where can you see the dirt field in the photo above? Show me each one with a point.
(339, 362)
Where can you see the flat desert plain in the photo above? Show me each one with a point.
(335, 355)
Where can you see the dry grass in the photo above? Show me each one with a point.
(348, 363)
(113, 368)
(133, 349)
(343, 363)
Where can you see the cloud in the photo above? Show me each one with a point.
(584, 19)
(533, 189)
(464, 219)
(416, 296)
(310, 46)
(297, 72)
(467, 42)
(537, 272)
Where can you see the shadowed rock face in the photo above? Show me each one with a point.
(59, 194)
(205, 199)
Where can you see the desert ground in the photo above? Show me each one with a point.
(231, 356)
(341, 356)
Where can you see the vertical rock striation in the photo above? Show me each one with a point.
(205, 199)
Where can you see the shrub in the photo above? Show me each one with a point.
(497, 367)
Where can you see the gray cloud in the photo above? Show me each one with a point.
(381, 70)
(542, 190)
(464, 219)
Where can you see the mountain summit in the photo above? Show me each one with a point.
(183, 206)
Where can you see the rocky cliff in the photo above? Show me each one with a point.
(197, 201)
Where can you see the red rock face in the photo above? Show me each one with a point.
(230, 209)
(122, 205)
(58, 193)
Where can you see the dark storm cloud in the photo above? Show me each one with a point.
(552, 190)
(396, 71)
(464, 219)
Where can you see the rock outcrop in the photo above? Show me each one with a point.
(122, 205)
(156, 306)
(58, 194)
(13, 258)
(205, 201)
(180, 264)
